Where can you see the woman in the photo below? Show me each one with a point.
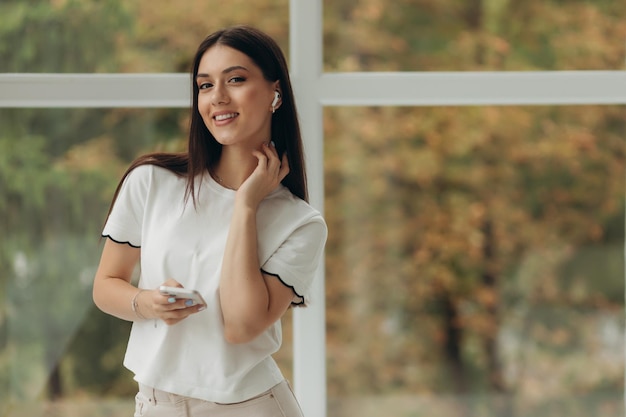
(228, 218)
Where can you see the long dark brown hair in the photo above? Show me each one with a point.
(203, 151)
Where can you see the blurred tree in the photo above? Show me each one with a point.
(50, 36)
(166, 35)
(449, 35)
(57, 172)
(433, 212)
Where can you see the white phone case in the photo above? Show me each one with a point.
(182, 293)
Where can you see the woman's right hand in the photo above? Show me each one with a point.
(268, 174)
(153, 304)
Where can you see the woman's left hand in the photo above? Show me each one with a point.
(267, 175)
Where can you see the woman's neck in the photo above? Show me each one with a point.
(234, 167)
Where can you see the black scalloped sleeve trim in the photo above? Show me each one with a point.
(301, 303)
(120, 242)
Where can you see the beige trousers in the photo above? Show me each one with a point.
(278, 401)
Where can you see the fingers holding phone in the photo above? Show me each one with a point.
(178, 303)
(176, 294)
(170, 303)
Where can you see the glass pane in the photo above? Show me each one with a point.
(59, 355)
(487, 35)
(121, 36)
(475, 262)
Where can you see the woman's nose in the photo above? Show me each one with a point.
(219, 96)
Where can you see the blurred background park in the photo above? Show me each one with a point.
(475, 261)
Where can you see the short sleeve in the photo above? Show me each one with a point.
(297, 260)
(125, 221)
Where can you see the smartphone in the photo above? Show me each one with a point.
(182, 293)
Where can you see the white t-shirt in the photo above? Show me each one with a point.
(192, 358)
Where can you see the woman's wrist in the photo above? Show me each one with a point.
(246, 203)
(136, 306)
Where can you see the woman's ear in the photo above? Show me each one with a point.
(276, 102)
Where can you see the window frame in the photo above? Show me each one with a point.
(314, 90)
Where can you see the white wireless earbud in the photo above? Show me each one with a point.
(276, 98)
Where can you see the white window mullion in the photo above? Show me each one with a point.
(95, 90)
(472, 88)
(331, 89)
(309, 342)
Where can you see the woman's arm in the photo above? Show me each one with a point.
(114, 294)
(251, 301)
(112, 290)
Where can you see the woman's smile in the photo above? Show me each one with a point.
(225, 116)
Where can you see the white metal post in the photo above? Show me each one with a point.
(309, 344)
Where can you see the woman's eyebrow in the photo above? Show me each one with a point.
(226, 71)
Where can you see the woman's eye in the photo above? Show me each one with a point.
(204, 86)
(237, 79)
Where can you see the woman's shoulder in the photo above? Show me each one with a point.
(282, 202)
(151, 172)
(164, 164)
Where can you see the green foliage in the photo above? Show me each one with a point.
(99, 369)
(478, 242)
(436, 35)
(58, 170)
(62, 36)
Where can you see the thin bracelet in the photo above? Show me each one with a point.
(135, 306)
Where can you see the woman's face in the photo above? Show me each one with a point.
(234, 98)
